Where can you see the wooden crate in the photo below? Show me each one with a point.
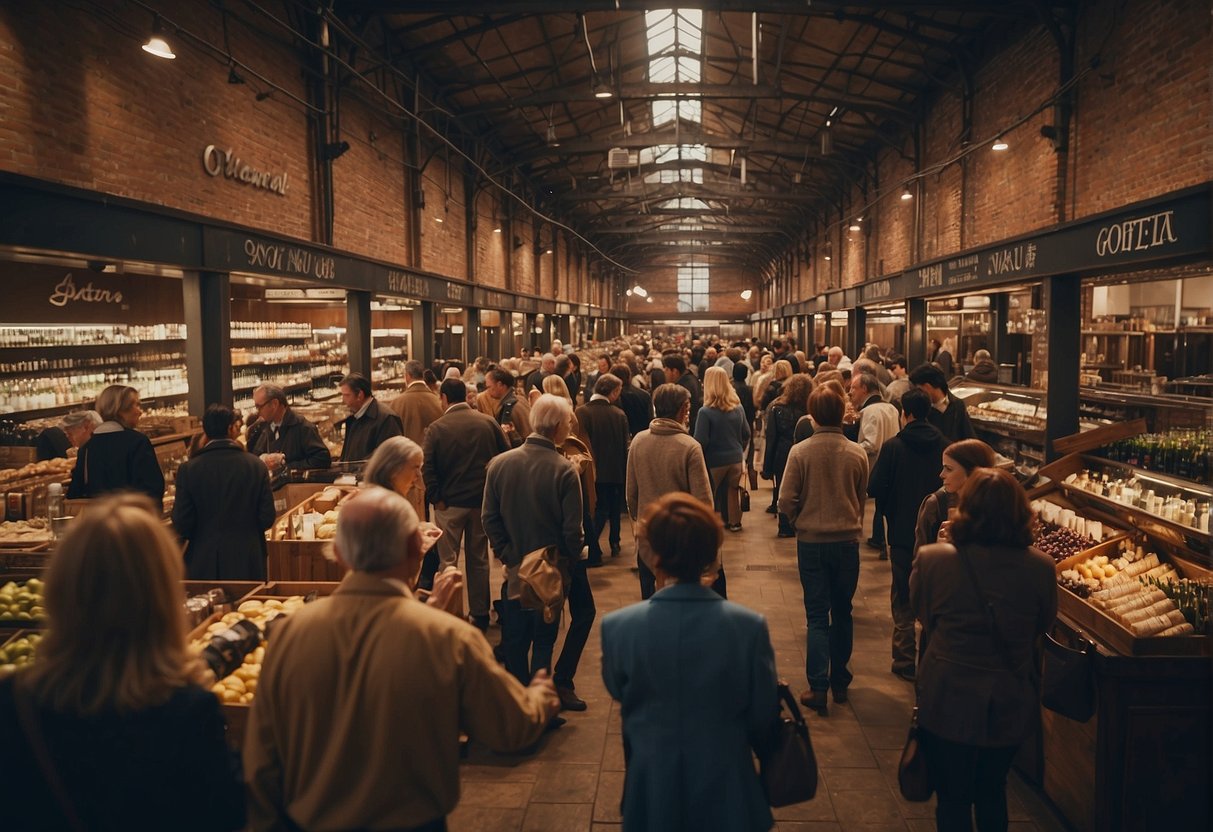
(301, 560)
(236, 591)
(30, 560)
(14, 456)
(285, 589)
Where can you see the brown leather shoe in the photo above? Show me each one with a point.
(815, 700)
(569, 700)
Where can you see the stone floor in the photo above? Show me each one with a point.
(574, 780)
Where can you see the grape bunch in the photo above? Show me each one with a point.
(1060, 543)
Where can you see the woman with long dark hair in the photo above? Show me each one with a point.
(984, 600)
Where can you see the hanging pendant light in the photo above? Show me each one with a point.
(156, 44)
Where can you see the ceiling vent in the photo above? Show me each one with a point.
(618, 157)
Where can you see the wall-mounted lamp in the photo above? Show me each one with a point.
(999, 144)
(747, 294)
(156, 44)
(233, 77)
(648, 300)
(906, 193)
(334, 150)
(855, 224)
(497, 230)
(640, 290)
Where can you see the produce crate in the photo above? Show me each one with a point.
(236, 591)
(29, 560)
(9, 625)
(14, 456)
(291, 559)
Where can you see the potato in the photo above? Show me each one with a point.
(248, 606)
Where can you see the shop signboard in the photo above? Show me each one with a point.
(41, 294)
(880, 291)
(1169, 228)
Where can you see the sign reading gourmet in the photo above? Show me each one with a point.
(216, 161)
(1152, 232)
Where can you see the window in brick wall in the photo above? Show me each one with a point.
(693, 288)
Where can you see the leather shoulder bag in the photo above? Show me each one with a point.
(788, 765)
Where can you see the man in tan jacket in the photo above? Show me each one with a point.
(417, 408)
(663, 459)
(362, 695)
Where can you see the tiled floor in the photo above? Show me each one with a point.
(573, 782)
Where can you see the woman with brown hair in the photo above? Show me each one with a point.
(695, 677)
(983, 601)
(960, 459)
(110, 727)
(785, 412)
(117, 457)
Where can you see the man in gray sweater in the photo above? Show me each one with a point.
(663, 459)
(823, 491)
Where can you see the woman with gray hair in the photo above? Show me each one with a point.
(395, 466)
(117, 457)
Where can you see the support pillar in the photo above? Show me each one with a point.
(358, 331)
(207, 301)
(857, 324)
(1000, 312)
(423, 333)
(471, 335)
(1063, 306)
(916, 333)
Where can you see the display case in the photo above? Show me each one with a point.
(1144, 760)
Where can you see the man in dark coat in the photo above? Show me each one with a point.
(635, 403)
(604, 429)
(983, 370)
(458, 447)
(224, 505)
(948, 413)
(285, 433)
(676, 373)
(906, 471)
(368, 424)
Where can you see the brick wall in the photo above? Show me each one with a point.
(443, 220)
(1145, 115)
(724, 299)
(492, 248)
(83, 105)
(371, 202)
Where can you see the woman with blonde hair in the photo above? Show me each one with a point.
(111, 727)
(117, 457)
(780, 373)
(723, 432)
(556, 385)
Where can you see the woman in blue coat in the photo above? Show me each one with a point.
(695, 676)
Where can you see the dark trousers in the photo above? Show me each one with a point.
(525, 634)
(878, 521)
(968, 778)
(581, 619)
(608, 506)
(829, 573)
(904, 653)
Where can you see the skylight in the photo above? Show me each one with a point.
(685, 202)
(675, 55)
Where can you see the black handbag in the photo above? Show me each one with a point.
(1068, 679)
(913, 780)
(788, 766)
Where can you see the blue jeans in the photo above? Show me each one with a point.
(829, 573)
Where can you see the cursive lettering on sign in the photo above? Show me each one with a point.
(289, 260)
(1138, 234)
(66, 291)
(216, 161)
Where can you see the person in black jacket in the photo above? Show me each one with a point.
(368, 424)
(983, 370)
(947, 413)
(77, 428)
(742, 387)
(781, 421)
(224, 505)
(635, 403)
(117, 457)
(282, 432)
(676, 373)
(116, 697)
(906, 471)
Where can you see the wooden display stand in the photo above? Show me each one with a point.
(291, 559)
(1145, 760)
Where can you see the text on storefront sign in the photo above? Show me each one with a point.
(216, 161)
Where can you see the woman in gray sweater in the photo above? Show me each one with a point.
(723, 432)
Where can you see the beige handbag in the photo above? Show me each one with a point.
(542, 582)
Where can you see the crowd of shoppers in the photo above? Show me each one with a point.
(511, 461)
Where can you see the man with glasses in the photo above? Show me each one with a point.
(285, 440)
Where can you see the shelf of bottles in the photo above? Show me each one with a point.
(294, 356)
(47, 368)
(1185, 454)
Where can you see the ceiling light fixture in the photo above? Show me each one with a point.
(639, 290)
(552, 140)
(602, 89)
(999, 144)
(497, 230)
(648, 300)
(906, 193)
(747, 294)
(855, 226)
(156, 44)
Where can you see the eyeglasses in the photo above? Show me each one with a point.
(262, 405)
